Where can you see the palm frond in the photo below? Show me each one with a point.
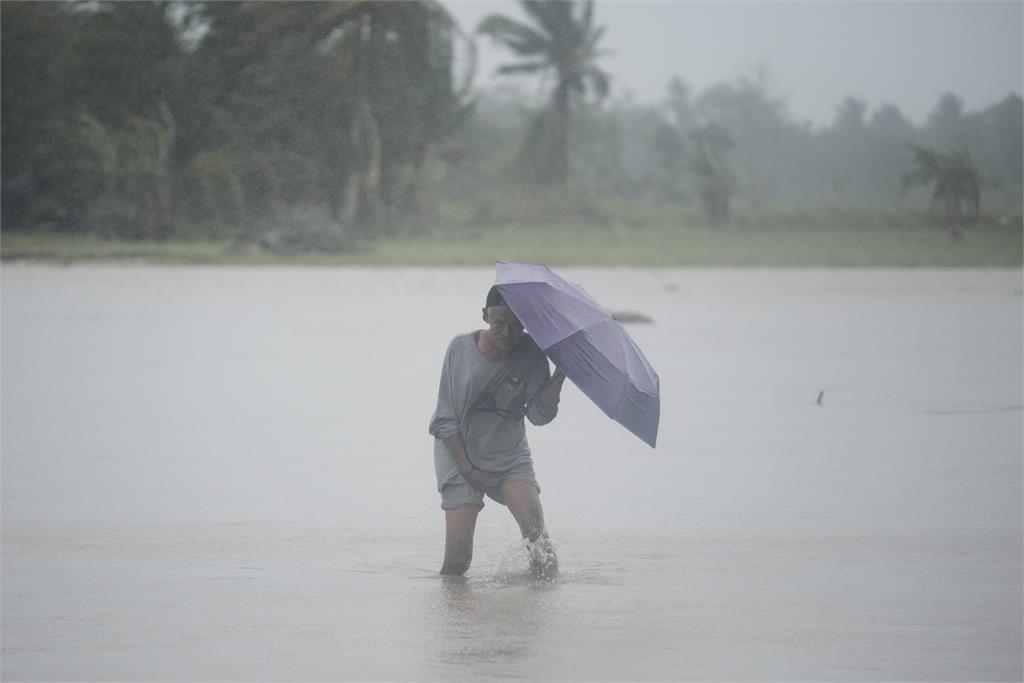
(587, 18)
(554, 16)
(523, 68)
(590, 41)
(924, 169)
(955, 179)
(522, 39)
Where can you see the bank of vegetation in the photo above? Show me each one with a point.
(356, 132)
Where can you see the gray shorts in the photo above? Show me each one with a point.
(460, 492)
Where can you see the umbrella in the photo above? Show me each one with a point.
(586, 342)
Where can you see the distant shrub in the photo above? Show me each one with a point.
(217, 197)
(308, 231)
(518, 203)
(113, 217)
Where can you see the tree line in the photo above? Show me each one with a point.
(148, 119)
(734, 140)
(308, 123)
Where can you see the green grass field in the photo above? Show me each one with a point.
(636, 245)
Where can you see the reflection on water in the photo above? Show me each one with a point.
(492, 621)
(491, 625)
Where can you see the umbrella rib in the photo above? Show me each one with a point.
(609, 317)
(625, 381)
(574, 293)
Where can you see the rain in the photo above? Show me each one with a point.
(237, 239)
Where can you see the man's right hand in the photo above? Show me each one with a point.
(482, 480)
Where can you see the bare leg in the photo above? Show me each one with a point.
(523, 502)
(460, 523)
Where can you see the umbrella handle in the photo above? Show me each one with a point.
(551, 393)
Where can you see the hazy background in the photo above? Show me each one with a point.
(270, 130)
(810, 54)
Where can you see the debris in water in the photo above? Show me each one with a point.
(625, 317)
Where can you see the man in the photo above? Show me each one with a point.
(490, 380)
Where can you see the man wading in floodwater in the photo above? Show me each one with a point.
(490, 380)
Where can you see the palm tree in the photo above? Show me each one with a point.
(385, 95)
(708, 161)
(955, 179)
(564, 41)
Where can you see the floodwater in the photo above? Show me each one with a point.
(225, 474)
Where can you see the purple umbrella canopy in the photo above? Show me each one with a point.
(586, 342)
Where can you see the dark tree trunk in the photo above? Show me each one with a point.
(558, 168)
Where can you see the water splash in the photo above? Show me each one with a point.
(543, 559)
(526, 562)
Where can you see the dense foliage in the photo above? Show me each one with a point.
(152, 118)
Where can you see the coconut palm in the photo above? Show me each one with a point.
(955, 180)
(563, 40)
(708, 161)
(364, 90)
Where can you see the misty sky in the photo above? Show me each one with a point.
(809, 54)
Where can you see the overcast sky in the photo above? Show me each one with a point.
(811, 54)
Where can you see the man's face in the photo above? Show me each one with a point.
(506, 330)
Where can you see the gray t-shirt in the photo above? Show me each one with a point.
(485, 401)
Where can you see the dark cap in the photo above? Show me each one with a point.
(494, 298)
